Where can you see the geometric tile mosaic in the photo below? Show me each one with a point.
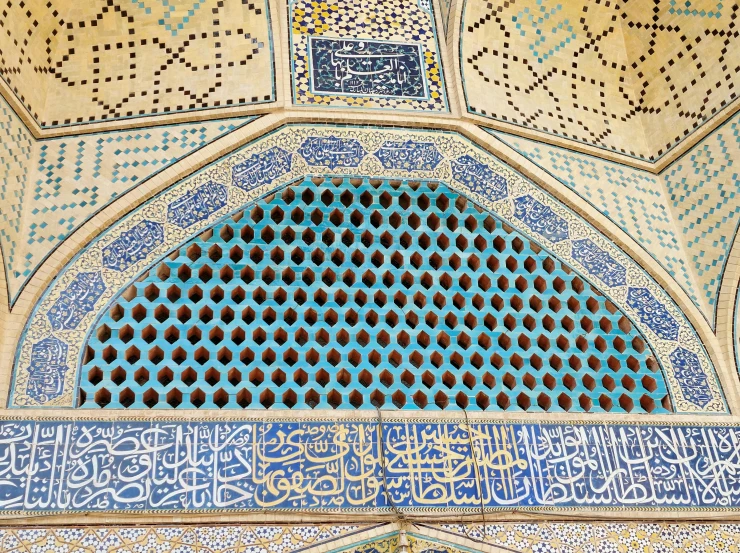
(703, 190)
(354, 295)
(346, 54)
(75, 63)
(49, 353)
(631, 198)
(383, 463)
(67, 180)
(16, 164)
(597, 537)
(634, 77)
(686, 217)
(173, 539)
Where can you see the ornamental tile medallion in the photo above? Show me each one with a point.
(366, 54)
(45, 372)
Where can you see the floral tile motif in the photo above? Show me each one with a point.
(367, 54)
(275, 159)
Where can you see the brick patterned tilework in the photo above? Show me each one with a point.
(330, 42)
(587, 537)
(16, 154)
(77, 62)
(633, 199)
(71, 178)
(633, 77)
(172, 539)
(703, 189)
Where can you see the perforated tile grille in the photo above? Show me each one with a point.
(357, 293)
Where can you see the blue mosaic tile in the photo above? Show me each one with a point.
(519, 466)
(353, 67)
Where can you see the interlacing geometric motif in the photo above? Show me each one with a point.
(632, 77)
(42, 377)
(573, 537)
(118, 60)
(596, 537)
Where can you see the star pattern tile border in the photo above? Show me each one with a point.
(376, 24)
(601, 537)
(175, 538)
(45, 355)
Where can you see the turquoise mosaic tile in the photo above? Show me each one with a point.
(16, 155)
(356, 296)
(74, 177)
(703, 188)
(631, 198)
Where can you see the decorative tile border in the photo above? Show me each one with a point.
(41, 377)
(561, 537)
(174, 539)
(407, 465)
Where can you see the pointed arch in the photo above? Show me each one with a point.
(48, 357)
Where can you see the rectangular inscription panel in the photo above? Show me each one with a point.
(330, 466)
(350, 67)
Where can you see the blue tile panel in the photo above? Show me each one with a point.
(350, 67)
(349, 294)
(335, 466)
(372, 54)
(67, 180)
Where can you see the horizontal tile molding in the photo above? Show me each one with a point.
(384, 465)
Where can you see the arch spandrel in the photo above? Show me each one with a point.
(57, 329)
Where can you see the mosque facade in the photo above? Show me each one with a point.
(378, 276)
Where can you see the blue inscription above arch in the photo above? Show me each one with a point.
(541, 218)
(479, 177)
(409, 156)
(332, 465)
(353, 67)
(47, 369)
(653, 313)
(76, 301)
